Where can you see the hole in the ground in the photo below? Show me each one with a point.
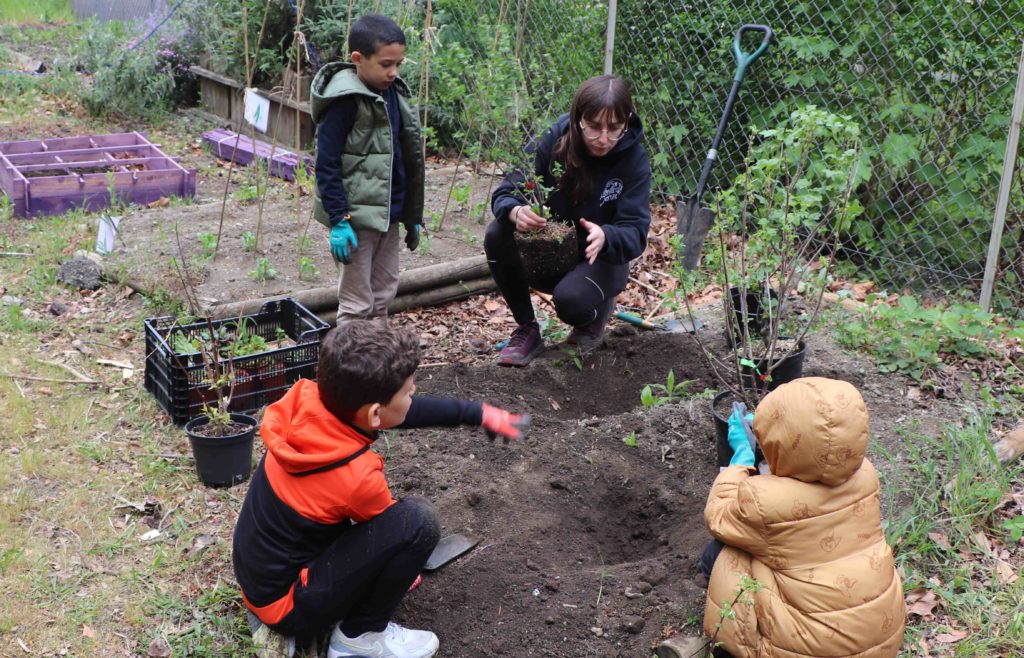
(623, 520)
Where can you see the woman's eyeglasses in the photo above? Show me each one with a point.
(593, 134)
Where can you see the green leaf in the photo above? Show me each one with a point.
(899, 150)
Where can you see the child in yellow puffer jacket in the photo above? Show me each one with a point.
(810, 533)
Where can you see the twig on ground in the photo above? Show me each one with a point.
(117, 364)
(14, 254)
(645, 285)
(74, 372)
(51, 380)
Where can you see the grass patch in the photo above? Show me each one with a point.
(951, 499)
(35, 12)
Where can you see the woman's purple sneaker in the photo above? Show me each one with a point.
(592, 335)
(524, 344)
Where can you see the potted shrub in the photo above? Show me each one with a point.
(221, 441)
(779, 227)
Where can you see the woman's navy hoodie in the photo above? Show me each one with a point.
(619, 196)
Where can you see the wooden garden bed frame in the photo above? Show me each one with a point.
(52, 176)
(229, 145)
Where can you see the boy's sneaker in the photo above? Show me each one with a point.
(269, 644)
(592, 335)
(524, 344)
(393, 642)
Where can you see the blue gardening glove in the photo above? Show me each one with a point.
(342, 236)
(741, 437)
(412, 236)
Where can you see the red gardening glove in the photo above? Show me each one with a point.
(499, 422)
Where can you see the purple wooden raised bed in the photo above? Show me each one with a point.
(52, 176)
(229, 145)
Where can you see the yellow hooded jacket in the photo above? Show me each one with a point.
(810, 533)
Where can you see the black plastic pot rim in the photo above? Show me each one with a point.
(203, 419)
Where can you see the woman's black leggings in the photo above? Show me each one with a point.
(579, 296)
(361, 578)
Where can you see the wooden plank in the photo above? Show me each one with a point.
(202, 73)
(243, 150)
(152, 163)
(114, 140)
(44, 157)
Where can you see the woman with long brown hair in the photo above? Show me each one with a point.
(593, 161)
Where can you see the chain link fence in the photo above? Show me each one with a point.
(119, 10)
(930, 82)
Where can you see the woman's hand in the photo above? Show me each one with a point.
(526, 220)
(595, 240)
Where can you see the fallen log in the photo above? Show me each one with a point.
(317, 299)
(432, 297)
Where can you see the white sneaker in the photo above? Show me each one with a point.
(393, 642)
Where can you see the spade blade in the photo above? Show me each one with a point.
(448, 549)
(693, 224)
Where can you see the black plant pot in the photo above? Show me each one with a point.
(755, 318)
(222, 461)
(786, 369)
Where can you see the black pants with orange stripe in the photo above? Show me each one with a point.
(361, 578)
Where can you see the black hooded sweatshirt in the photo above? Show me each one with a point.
(619, 197)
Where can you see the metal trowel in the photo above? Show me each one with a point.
(448, 549)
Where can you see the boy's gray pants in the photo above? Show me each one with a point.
(368, 284)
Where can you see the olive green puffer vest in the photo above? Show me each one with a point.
(367, 156)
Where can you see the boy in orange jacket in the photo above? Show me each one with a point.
(319, 537)
(809, 533)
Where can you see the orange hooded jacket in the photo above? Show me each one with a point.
(317, 475)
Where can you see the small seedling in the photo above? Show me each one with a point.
(263, 272)
(307, 268)
(304, 242)
(249, 241)
(572, 356)
(1015, 528)
(435, 220)
(630, 440)
(465, 234)
(425, 242)
(247, 193)
(653, 395)
(208, 242)
(460, 194)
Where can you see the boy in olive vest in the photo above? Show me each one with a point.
(369, 166)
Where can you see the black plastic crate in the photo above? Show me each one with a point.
(179, 381)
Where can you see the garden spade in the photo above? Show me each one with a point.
(448, 549)
(693, 221)
(671, 326)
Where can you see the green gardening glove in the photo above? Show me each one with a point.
(343, 241)
(741, 436)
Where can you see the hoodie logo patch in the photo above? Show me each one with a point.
(612, 191)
